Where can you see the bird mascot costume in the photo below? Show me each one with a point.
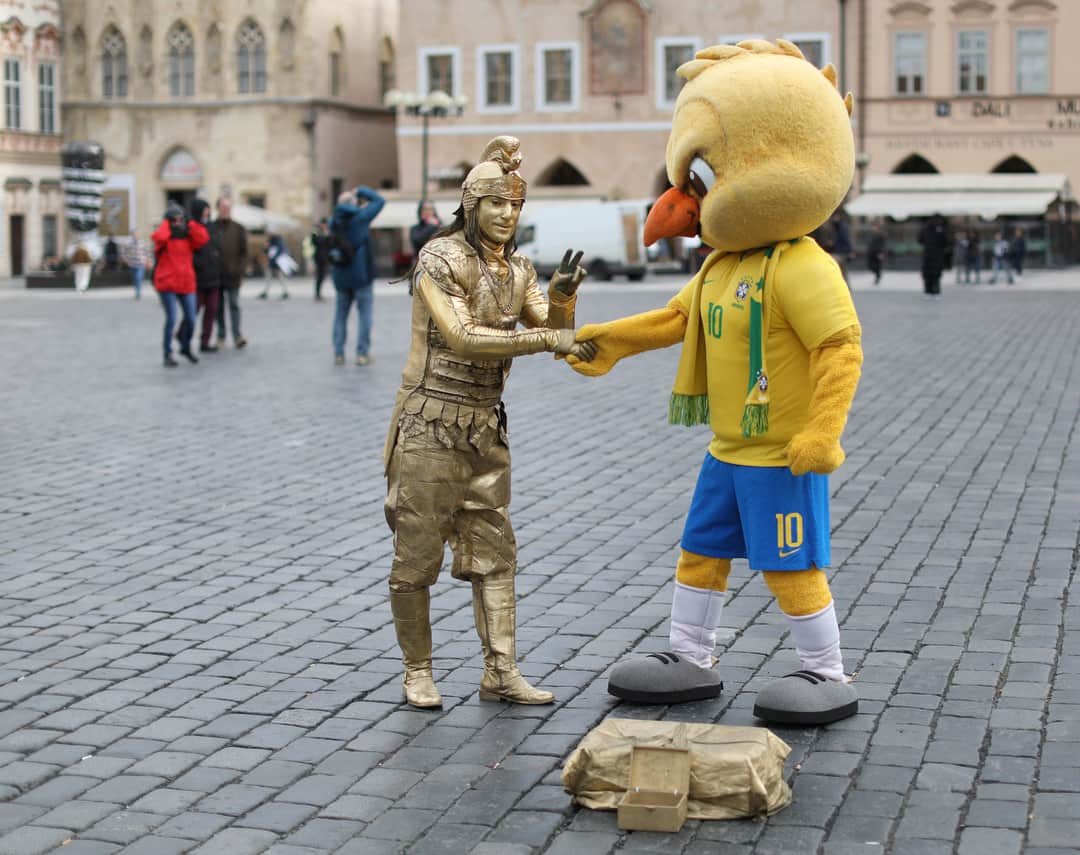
(760, 155)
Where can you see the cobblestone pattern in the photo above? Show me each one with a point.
(195, 648)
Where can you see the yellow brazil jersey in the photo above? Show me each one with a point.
(806, 302)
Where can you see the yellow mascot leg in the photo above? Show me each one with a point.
(804, 597)
(700, 583)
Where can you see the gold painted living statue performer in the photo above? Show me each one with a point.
(447, 457)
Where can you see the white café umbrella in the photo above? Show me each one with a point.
(262, 220)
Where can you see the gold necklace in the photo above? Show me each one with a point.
(490, 280)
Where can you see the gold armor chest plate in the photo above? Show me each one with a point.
(492, 303)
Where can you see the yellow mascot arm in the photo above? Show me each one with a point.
(616, 340)
(835, 367)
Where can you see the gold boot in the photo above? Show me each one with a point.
(412, 621)
(496, 614)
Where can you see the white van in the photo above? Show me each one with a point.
(609, 234)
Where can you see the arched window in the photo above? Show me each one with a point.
(561, 173)
(250, 58)
(1014, 164)
(181, 60)
(914, 164)
(114, 65)
(337, 51)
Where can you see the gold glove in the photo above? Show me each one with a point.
(566, 279)
(616, 340)
(834, 373)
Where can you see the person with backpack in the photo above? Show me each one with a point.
(353, 268)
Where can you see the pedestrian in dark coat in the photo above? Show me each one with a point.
(875, 252)
(1017, 252)
(427, 224)
(232, 237)
(207, 262)
(320, 254)
(936, 254)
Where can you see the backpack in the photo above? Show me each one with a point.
(341, 251)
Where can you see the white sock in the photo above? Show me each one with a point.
(817, 641)
(695, 613)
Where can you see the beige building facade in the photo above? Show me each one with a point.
(949, 86)
(588, 86)
(31, 208)
(277, 103)
(970, 86)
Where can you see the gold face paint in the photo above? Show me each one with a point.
(498, 218)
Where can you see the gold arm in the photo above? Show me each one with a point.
(555, 313)
(473, 341)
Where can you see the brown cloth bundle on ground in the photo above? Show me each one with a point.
(735, 772)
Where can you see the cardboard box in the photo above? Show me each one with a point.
(659, 784)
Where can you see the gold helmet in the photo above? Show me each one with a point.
(496, 174)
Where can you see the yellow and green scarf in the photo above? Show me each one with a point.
(689, 403)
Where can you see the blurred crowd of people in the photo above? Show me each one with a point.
(198, 264)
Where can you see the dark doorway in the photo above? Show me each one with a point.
(915, 164)
(1014, 164)
(183, 198)
(561, 173)
(15, 229)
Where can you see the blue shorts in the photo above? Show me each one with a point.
(776, 520)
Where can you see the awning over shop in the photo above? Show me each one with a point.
(988, 196)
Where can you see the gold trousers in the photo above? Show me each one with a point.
(444, 490)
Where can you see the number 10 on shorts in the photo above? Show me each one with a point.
(789, 531)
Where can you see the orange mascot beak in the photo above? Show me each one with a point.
(674, 213)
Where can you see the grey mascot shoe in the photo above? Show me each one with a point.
(663, 678)
(806, 698)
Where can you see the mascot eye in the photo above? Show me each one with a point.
(701, 177)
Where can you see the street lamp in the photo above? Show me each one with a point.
(437, 104)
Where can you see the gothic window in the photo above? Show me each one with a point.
(181, 61)
(114, 65)
(250, 58)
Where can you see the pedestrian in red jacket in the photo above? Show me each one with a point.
(174, 275)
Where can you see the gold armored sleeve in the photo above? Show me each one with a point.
(467, 338)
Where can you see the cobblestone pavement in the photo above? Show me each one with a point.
(195, 647)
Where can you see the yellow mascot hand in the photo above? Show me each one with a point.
(616, 340)
(810, 452)
(834, 373)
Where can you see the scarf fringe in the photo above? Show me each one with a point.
(688, 410)
(755, 420)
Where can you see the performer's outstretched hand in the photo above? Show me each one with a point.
(566, 279)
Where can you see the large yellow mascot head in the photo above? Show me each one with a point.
(760, 150)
